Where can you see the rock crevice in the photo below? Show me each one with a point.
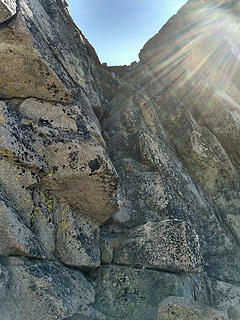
(119, 186)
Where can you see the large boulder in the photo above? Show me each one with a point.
(170, 245)
(8, 8)
(56, 292)
(29, 76)
(77, 240)
(178, 308)
(131, 294)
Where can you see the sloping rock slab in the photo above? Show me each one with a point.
(24, 73)
(173, 308)
(171, 245)
(77, 240)
(133, 294)
(15, 237)
(7, 9)
(234, 312)
(44, 290)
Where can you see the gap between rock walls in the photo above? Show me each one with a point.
(119, 186)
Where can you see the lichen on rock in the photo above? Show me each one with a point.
(119, 193)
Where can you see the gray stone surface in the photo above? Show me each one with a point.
(44, 290)
(166, 136)
(15, 237)
(88, 314)
(106, 250)
(77, 240)
(222, 295)
(173, 308)
(4, 278)
(36, 137)
(234, 312)
(128, 293)
(165, 131)
(8, 8)
(170, 245)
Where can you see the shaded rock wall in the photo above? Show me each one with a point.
(119, 187)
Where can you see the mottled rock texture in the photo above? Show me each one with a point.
(8, 8)
(128, 293)
(170, 245)
(173, 308)
(57, 182)
(38, 288)
(118, 191)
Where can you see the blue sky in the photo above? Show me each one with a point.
(119, 29)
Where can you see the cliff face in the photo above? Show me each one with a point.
(119, 193)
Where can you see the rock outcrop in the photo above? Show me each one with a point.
(182, 308)
(170, 245)
(8, 10)
(119, 186)
(57, 182)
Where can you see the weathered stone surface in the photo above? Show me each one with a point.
(170, 245)
(199, 102)
(30, 75)
(56, 292)
(234, 312)
(88, 314)
(15, 237)
(62, 46)
(106, 250)
(84, 177)
(222, 295)
(173, 308)
(36, 80)
(156, 186)
(8, 8)
(171, 123)
(77, 239)
(178, 139)
(27, 164)
(28, 130)
(53, 116)
(127, 293)
(79, 170)
(4, 278)
(48, 68)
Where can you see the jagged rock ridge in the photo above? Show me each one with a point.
(119, 191)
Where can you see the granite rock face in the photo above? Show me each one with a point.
(55, 291)
(119, 186)
(170, 245)
(173, 308)
(52, 152)
(15, 237)
(128, 293)
(8, 8)
(4, 278)
(57, 182)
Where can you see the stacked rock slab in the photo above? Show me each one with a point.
(162, 135)
(170, 245)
